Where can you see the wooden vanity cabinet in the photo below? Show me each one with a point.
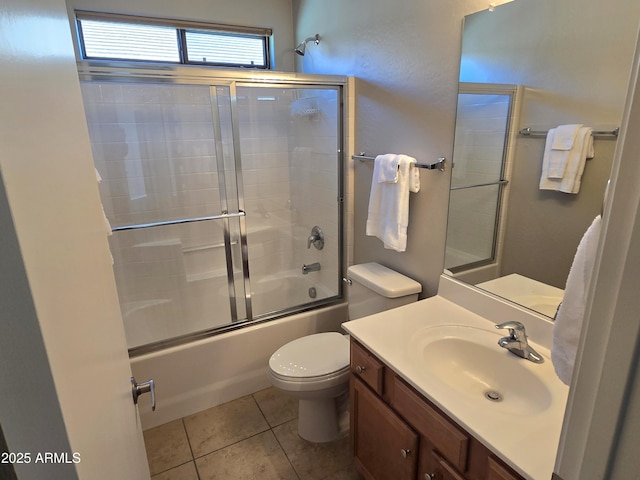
(385, 447)
(397, 434)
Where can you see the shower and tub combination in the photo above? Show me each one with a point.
(224, 195)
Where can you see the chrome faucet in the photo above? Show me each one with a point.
(316, 238)
(314, 267)
(517, 342)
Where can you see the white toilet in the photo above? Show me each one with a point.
(315, 368)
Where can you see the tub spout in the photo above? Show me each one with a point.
(314, 267)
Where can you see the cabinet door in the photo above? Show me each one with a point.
(495, 471)
(385, 448)
(446, 471)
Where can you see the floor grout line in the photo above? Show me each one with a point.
(269, 428)
(285, 452)
(193, 457)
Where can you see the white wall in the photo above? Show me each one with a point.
(405, 56)
(275, 14)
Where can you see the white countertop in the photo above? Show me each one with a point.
(527, 442)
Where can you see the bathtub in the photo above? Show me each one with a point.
(211, 371)
(274, 293)
(154, 319)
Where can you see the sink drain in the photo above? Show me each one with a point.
(493, 396)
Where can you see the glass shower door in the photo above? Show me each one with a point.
(290, 144)
(164, 153)
(480, 156)
(213, 192)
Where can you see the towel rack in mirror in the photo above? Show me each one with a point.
(438, 165)
(527, 132)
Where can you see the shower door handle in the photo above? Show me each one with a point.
(138, 389)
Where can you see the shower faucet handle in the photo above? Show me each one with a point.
(316, 238)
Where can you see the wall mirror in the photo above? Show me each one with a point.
(536, 65)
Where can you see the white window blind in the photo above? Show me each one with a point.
(216, 48)
(131, 42)
(121, 37)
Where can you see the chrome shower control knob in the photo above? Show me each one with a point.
(360, 369)
(316, 238)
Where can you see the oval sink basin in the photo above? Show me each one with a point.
(469, 362)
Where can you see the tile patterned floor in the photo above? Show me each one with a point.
(253, 437)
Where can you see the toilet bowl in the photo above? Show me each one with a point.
(315, 368)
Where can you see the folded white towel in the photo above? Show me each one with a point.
(414, 174)
(568, 323)
(562, 140)
(565, 136)
(385, 169)
(388, 215)
(570, 163)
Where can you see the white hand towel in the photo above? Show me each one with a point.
(568, 323)
(565, 136)
(562, 140)
(385, 169)
(388, 215)
(414, 174)
(573, 162)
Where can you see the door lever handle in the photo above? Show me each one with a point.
(138, 389)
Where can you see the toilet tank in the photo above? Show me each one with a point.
(375, 288)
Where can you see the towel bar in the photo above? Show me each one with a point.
(527, 132)
(439, 165)
(222, 216)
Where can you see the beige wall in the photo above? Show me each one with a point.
(405, 57)
(574, 72)
(275, 14)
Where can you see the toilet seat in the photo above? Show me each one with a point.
(314, 358)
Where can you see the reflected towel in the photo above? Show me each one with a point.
(570, 162)
(388, 215)
(570, 316)
(563, 139)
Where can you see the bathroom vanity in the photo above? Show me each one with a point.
(398, 433)
(433, 396)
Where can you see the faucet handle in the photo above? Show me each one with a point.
(516, 329)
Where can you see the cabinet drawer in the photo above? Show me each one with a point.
(367, 367)
(450, 441)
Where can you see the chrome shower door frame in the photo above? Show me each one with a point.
(127, 72)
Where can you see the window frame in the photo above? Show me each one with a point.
(181, 27)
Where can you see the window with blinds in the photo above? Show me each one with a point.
(122, 37)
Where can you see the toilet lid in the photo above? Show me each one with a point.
(311, 356)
